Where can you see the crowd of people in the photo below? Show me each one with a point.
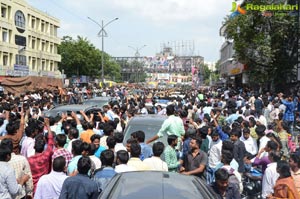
(218, 135)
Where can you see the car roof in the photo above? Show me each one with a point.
(72, 107)
(150, 118)
(156, 184)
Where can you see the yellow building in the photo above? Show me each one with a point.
(28, 41)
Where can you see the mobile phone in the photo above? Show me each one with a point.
(69, 113)
(41, 119)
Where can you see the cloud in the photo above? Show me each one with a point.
(157, 11)
(171, 10)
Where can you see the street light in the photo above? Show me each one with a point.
(102, 33)
(137, 50)
(137, 55)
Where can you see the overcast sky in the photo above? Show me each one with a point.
(142, 22)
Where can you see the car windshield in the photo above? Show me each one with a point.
(150, 131)
(157, 185)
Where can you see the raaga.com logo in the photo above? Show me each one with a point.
(237, 10)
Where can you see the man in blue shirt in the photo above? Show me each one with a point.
(103, 175)
(288, 116)
(80, 186)
(146, 149)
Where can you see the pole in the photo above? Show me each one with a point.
(102, 55)
(103, 34)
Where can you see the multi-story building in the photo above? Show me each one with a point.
(28, 41)
(164, 67)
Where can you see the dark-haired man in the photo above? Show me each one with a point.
(77, 154)
(14, 133)
(146, 149)
(121, 162)
(80, 186)
(40, 162)
(135, 161)
(21, 166)
(103, 175)
(239, 149)
(223, 187)
(60, 141)
(170, 155)
(50, 185)
(196, 160)
(155, 163)
(9, 186)
(171, 126)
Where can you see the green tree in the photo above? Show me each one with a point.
(267, 45)
(80, 57)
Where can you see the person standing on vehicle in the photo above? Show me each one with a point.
(171, 126)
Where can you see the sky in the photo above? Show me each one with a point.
(143, 22)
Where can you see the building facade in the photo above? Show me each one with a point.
(179, 69)
(28, 42)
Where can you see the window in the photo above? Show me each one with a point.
(20, 21)
(33, 23)
(4, 35)
(51, 66)
(43, 26)
(51, 48)
(43, 46)
(43, 65)
(33, 43)
(20, 40)
(3, 11)
(21, 60)
(33, 64)
(5, 59)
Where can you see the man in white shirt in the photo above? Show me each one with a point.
(270, 175)
(119, 145)
(260, 131)
(250, 143)
(121, 160)
(50, 185)
(154, 162)
(214, 156)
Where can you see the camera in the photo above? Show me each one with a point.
(69, 113)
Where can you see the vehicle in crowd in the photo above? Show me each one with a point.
(76, 108)
(176, 94)
(150, 124)
(156, 184)
(97, 101)
(137, 92)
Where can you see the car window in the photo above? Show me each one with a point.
(158, 185)
(149, 131)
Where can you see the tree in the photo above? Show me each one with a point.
(80, 57)
(266, 44)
